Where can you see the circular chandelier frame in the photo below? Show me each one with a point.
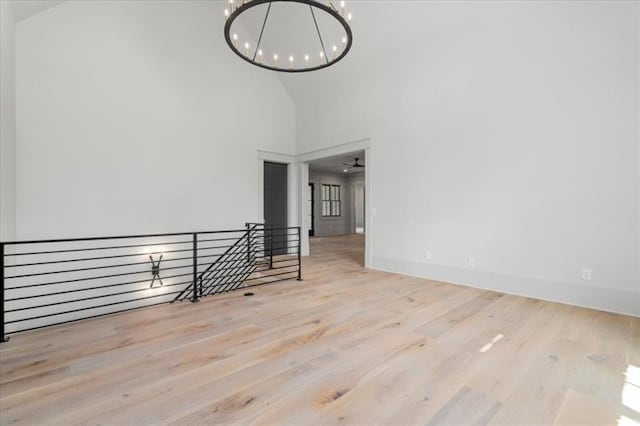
(251, 58)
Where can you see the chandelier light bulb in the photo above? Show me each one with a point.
(226, 13)
(349, 16)
(275, 59)
(344, 40)
(260, 55)
(246, 48)
(306, 59)
(290, 61)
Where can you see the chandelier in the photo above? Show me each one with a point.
(324, 54)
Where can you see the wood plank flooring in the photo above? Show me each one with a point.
(346, 345)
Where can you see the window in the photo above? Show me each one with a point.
(331, 200)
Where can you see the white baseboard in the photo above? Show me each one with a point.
(604, 299)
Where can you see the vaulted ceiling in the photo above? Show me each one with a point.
(385, 33)
(22, 9)
(382, 30)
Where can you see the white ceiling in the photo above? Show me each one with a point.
(22, 9)
(382, 31)
(336, 164)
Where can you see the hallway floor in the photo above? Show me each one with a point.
(350, 248)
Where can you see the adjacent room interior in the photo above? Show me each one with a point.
(319, 212)
(336, 205)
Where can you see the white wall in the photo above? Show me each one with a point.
(517, 124)
(7, 124)
(135, 117)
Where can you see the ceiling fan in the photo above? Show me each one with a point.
(356, 164)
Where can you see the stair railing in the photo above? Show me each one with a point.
(57, 281)
(234, 259)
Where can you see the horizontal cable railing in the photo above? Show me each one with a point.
(51, 282)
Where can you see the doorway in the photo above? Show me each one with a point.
(275, 205)
(336, 222)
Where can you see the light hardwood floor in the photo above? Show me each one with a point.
(346, 345)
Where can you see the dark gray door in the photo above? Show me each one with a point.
(275, 204)
(312, 207)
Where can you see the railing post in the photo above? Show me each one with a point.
(299, 257)
(195, 268)
(3, 338)
(248, 244)
(270, 246)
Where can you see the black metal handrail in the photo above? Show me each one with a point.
(246, 264)
(57, 281)
(250, 227)
(196, 286)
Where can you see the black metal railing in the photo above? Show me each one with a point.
(51, 282)
(250, 261)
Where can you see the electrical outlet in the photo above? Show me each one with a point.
(427, 255)
(472, 262)
(586, 274)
